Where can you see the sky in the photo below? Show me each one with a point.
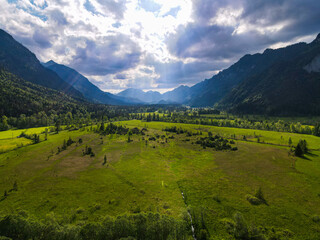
(155, 44)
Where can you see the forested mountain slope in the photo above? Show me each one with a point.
(17, 59)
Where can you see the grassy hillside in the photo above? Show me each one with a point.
(142, 176)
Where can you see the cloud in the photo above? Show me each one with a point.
(41, 38)
(230, 29)
(108, 55)
(157, 43)
(58, 17)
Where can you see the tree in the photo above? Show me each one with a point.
(301, 148)
(290, 141)
(102, 126)
(104, 160)
(64, 145)
(240, 228)
(298, 151)
(4, 123)
(46, 134)
(316, 130)
(57, 125)
(36, 138)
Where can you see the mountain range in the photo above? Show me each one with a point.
(88, 89)
(283, 81)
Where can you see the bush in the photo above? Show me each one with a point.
(316, 218)
(253, 200)
(216, 198)
(136, 226)
(257, 199)
(259, 195)
(240, 228)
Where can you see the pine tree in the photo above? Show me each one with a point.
(298, 151)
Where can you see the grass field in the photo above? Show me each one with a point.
(140, 176)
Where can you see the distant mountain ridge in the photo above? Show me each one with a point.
(177, 96)
(283, 81)
(88, 89)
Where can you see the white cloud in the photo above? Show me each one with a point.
(105, 38)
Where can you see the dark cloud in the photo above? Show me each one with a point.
(107, 55)
(290, 19)
(42, 39)
(58, 17)
(214, 42)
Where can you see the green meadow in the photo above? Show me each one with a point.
(150, 175)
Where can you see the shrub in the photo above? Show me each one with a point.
(316, 218)
(216, 198)
(253, 200)
(240, 228)
(5, 238)
(259, 195)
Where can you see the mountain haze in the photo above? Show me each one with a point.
(177, 96)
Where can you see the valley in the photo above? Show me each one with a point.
(149, 172)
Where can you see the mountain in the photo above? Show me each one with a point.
(147, 97)
(83, 85)
(17, 59)
(211, 91)
(18, 96)
(289, 86)
(177, 96)
(180, 94)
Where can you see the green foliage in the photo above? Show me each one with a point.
(88, 151)
(240, 230)
(316, 218)
(104, 160)
(301, 148)
(257, 199)
(253, 200)
(149, 225)
(216, 142)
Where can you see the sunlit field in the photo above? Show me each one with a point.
(146, 175)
